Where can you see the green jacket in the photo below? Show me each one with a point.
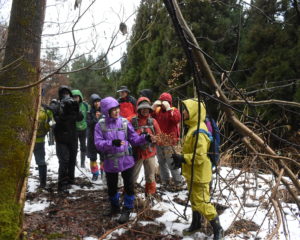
(43, 124)
(84, 108)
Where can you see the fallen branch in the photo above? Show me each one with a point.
(123, 225)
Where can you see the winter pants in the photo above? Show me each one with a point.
(112, 183)
(164, 155)
(81, 135)
(39, 153)
(149, 169)
(200, 200)
(66, 154)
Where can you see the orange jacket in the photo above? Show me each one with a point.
(139, 122)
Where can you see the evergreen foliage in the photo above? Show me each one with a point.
(94, 78)
(258, 42)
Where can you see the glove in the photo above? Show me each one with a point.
(178, 160)
(166, 105)
(147, 137)
(116, 142)
(156, 104)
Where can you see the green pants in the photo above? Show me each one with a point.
(200, 200)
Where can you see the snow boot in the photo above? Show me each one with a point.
(124, 215)
(42, 175)
(217, 229)
(195, 225)
(82, 159)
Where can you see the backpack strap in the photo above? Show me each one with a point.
(150, 124)
(125, 126)
(135, 122)
(208, 134)
(105, 129)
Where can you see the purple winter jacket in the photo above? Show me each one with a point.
(113, 162)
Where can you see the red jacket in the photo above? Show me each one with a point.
(127, 107)
(168, 120)
(149, 150)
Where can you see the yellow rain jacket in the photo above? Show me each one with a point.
(43, 124)
(200, 196)
(202, 164)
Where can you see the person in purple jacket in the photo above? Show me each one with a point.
(114, 137)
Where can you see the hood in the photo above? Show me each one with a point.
(192, 107)
(142, 99)
(146, 93)
(143, 102)
(166, 97)
(94, 97)
(107, 104)
(76, 92)
(61, 89)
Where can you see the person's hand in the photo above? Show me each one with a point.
(166, 105)
(156, 104)
(147, 137)
(117, 142)
(178, 160)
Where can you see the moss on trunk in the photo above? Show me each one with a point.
(18, 110)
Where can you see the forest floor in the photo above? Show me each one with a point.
(81, 213)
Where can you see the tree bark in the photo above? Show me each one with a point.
(18, 109)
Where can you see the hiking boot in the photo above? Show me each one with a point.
(62, 189)
(95, 177)
(124, 215)
(114, 210)
(42, 175)
(71, 181)
(195, 225)
(217, 229)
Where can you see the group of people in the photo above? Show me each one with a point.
(127, 134)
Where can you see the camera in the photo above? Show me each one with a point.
(68, 105)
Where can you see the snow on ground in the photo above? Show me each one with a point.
(243, 197)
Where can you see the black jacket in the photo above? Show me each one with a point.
(66, 113)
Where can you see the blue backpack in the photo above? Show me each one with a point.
(213, 134)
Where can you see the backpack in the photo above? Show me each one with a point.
(135, 124)
(213, 134)
(43, 123)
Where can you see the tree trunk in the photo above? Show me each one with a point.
(18, 109)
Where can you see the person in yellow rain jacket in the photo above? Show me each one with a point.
(202, 169)
(45, 116)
